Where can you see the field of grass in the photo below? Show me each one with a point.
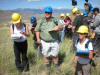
(37, 67)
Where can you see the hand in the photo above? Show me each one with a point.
(32, 29)
(92, 20)
(69, 26)
(39, 41)
(21, 37)
(73, 28)
(75, 63)
(22, 33)
(56, 28)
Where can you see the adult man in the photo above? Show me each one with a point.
(47, 35)
(96, 27)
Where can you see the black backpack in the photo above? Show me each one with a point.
(86, 45)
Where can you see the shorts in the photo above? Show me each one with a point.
(50, 48)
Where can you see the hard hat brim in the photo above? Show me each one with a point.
(82, 32)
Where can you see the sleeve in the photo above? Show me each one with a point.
(75, 21)
(96, 22)
(59, 23)
(90, 46)
(37, 28)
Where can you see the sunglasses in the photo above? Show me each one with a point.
(48, 12)
(81, 33)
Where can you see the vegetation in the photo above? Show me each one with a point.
(37, 67)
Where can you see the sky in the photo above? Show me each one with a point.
(14, 4)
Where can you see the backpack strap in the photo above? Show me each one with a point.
(87, 44)
(13, 27)
(22, 24)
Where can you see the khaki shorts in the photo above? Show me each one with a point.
(50, 48)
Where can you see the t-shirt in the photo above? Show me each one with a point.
(81, 47)
(45, 28)
(61, 21)
(17, 34)
(78, 21)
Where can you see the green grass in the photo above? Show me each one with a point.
(37, 67)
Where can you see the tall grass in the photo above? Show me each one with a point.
(37, 67)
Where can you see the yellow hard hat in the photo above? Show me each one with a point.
(83, 29)
(16, 18)
(74, 10)
(62, 15)
(67, 14)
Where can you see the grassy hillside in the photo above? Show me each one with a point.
(37, 67)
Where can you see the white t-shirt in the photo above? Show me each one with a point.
(16, 36)
(81, 47)
(61, 21)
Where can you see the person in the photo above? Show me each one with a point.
(83, 52)
(95, 25)
(68, 28)
(78, 21)
(33, 21)
(18, 32)
(47, 34)
(62, 17)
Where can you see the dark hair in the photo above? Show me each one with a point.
(96, 9)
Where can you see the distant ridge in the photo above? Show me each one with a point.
(40, 11)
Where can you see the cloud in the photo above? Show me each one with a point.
(33, 0)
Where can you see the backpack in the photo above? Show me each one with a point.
(86, 45)
(92, 62)
(86, 53)
(22, 23)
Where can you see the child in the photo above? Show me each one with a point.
(84, 52)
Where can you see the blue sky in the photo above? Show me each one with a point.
(13, 4)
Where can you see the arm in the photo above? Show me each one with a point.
(12, 35)
(38, 37)
(26, 33)
(90, 55)
(75, 60)
(57, 28)
(96, 22)
(11, 30)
